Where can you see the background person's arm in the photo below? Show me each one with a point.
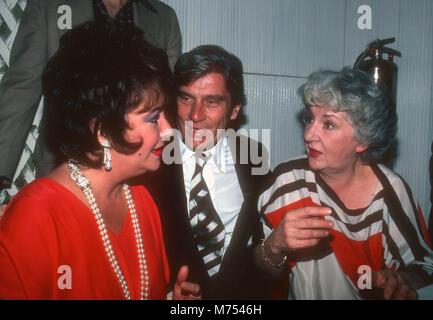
(174, 46)
(20, 87)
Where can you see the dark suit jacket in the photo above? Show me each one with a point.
(430, 224)
(238, 277)
(36, 41)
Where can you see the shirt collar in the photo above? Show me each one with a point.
(219, 155)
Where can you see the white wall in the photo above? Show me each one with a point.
(281, 41)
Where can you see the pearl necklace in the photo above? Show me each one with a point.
(84, 184)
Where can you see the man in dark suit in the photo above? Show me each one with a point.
(208, 185)
(41, 26)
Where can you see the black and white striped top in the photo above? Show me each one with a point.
(388, 233)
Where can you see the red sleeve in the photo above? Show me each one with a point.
(11, 286)
(25, 249)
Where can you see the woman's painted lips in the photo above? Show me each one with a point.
(313, 153)
(158, 151)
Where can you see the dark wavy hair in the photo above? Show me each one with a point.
(206, 59)
(95, 78)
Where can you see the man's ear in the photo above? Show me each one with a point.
(360, 148)
(235, 112)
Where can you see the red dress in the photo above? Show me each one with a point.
(50, 248)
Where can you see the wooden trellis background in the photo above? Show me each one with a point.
(10, 14)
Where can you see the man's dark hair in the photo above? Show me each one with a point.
(94, 79)
(207, 59)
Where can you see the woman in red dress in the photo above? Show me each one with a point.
(82, 232)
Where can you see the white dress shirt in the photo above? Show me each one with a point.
(222, 181)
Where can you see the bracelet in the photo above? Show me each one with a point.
(268, 261)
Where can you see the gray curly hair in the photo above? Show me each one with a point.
(367, 104)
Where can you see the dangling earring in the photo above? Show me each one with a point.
(107, 155)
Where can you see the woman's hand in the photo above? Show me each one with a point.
(184, 290)
(394, 283)
(300, 228)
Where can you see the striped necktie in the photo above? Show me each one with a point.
(208, 229)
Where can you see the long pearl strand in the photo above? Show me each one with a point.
(84, 184)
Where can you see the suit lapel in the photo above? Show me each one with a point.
(238, 240)
(148, 21)
(180, 190)
(243, 170)
(248, 221)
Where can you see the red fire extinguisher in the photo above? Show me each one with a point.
(383, 71)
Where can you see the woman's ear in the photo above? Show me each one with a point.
(101, 139)
(360, 148)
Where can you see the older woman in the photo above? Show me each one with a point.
(82, 232)
(344, 223)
